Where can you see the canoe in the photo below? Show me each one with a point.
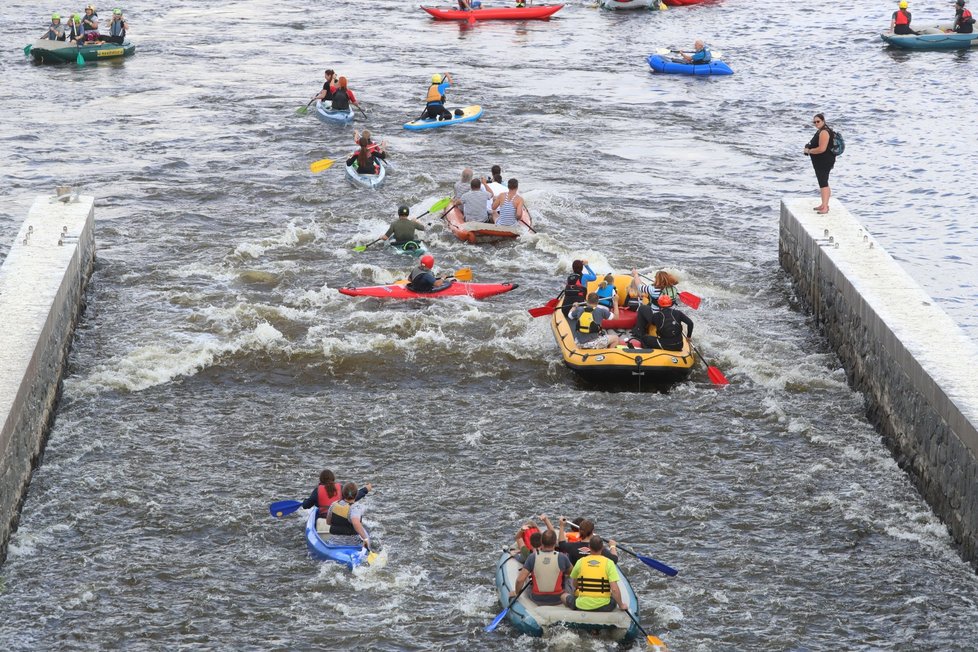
(349, 556)
(469, 113)
(659, 63)
(329, 116)
(456, 289)
(537, 620)
(366, 180)
(619, 5)
(540, 12)
(45, 51)
(473, 232)
(931, 37)
(409, 248)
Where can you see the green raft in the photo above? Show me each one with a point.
(45, 51)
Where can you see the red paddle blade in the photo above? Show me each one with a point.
(543, 310)
(690, 300)
(716, 376)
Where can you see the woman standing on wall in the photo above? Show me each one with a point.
(819, 148)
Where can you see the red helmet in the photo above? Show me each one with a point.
(664, 301)
(428, 261)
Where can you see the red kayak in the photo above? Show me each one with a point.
(494, 13)
(682, 3)
(456, 289)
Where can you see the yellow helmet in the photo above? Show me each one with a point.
(436, 78)
(903, 4)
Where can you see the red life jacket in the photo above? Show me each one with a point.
(527, 533)
(902, 17)
(324, 500)
(965, 16)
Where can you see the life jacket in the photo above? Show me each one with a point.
(527, 533)
(573, 537)
(670, 329)
(586, 323)
(434, 95)
(593, 581)
(574, 290)
(902, 17)
(324, 500)
(116, 28)
(340, 520)
(548, 579)
(341, 100)
(606, 295)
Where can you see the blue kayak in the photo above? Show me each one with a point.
(672, 67)
(349, 556)
(330, 116)
(469, 113)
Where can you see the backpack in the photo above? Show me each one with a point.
(838, 143)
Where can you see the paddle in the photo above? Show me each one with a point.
(360, 110)
(27, 50)
(80, 60)
(713, 53)
(648, 561)
(303, 110)
(716, 376)
(364, 247)
(464, 274)
(527, 224)
(283, 507)
(653, 640)
(502, 614)
(546, 309)
(688, 298)
(437, 206)
(318, 166)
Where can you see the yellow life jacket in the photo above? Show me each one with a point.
(593, 581)
(339, 521)
(434, 95)
(586, 323)
(548, 579)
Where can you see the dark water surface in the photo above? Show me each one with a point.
(217, 368)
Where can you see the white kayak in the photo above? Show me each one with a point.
(366, 180)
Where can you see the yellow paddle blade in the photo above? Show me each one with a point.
(319, 166)
(464, 274)
(372, 557)
(657, 642)
(662, 7)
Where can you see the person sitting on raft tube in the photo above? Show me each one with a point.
(366, 160)
(468, 5)
(473, 202)
(330, 86)
(117, 28)
(607, 293)
(434, 108)
(328, 492)
(595, 582)
(422, 279)
(586, 324)
(574, 543)
(963, 20)
(403, 228)
(90, 23)
(575, 290)
(528, 537)
(508, 206)
(551, 572)
(700, 54)
(900, 23)
(667, 321)
(76, 31)
(56, 31)
(663, 283)
(345, 520)
(343, 97)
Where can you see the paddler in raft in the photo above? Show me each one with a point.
(90, 23)
(56, 31)
(423, 280)
(117, 28)
(575, 543)
(76, 31)
(595, 582)
(468, 5)
(402, 229)
(900, 22)
(700, 54)
(551, 572)
(668, 326)
(586, 324)
(435, 100)
(508, 206)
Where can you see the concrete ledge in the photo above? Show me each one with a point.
(913, 363)
(42, 284)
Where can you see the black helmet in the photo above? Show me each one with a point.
(403, 211)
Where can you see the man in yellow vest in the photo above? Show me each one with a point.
(595, 582)
(435, 99)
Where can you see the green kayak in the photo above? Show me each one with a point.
(45, 51)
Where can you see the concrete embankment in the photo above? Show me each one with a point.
(914, 365)
(42, 285)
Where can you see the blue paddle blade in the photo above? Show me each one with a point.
(284, 507)
(498, 619)
(659, 566)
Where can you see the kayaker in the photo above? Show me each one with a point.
(575, 289)
(508, 206)
(551, 573)
(117, 28)
(607, 293)
(819, 148)
(473, 202)
(467, 5)
(586, 324)
(463, 186)
(328, 492)
(963, 20)
(422, 279)
(375, 149)
(435, 100)
(365, 160)
(76, 31)
(668, 326)
(90, 23)
(343, 97)
(345, 520)
(700, 54)
(402, 229)
(329, 86)
(578, 547)
(900, 22)
(595, 582)
(56, 31)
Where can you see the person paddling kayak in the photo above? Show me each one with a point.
(343, 97)
(328, 492)
(330, 86)
(345, 520)
(422, 278)
(701, 54)
(402, 229)
(435, 100)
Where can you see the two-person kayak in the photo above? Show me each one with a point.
(329, 116)
(349, 556)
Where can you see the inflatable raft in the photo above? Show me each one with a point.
(537, 620)
(618, 5)
(659, 63)
(329, 116)
(494, 13)
(473, 232)
(931, 37)
(456, 289)
(469, 114)
(366, 180)
(45, 51)
(349, 556)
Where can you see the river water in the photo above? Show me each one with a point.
(217, 369)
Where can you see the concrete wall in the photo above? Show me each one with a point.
(915, 366)
(42, 285)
